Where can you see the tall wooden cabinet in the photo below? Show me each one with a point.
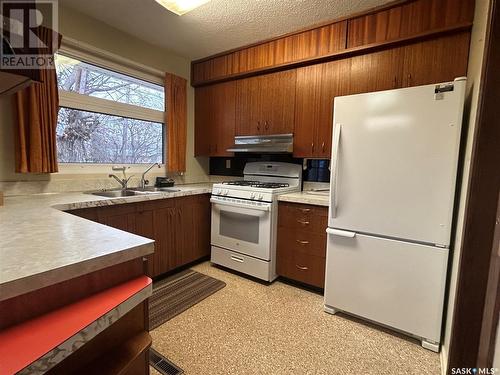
(215, 111)
(317, 86)
(265, 104)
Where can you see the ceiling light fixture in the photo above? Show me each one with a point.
(181, 7)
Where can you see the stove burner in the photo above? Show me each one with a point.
(258, 184)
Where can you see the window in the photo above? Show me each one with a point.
(107, 117)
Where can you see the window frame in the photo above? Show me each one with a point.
(103, 59)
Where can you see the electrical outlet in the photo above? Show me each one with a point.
(228, 163)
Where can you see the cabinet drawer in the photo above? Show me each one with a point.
(298, 217)
(305, 268)
(301, 241)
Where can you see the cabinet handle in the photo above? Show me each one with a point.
(302, 268)
(216, 147)
(305, 210)
(323, 146)
(395, 82)
(266, 126)
(237, 259)
(408, 80)
(258, 125)
(302, 242)
(312, 147)
(303, 222)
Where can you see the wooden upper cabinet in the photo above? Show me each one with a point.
(265, 104)
(202, 120)
(438, 60)
(409, 19)
(317, 86)
(215, 120)
(320, 41)
(375, 71)
(306, 44)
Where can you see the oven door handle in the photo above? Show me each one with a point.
(225, 203)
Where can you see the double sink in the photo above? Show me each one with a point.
(115, 193)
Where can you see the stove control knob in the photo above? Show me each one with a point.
(252, 195)
(218, 191)
(226, 192)
(261, 196)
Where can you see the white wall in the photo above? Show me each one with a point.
(80, 27)
(473, 80)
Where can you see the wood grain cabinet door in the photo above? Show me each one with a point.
(437, 60)
(249, 106)
(278, 102)
(215, 119)
(376, 71)
(119, 217)
(405, 20)
(203, 121)
(317, 86)
(265, 104)
(223, 122)
(165, 235)
(307, 110)
(144, 227)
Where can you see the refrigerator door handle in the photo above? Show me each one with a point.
(336, 142)
(341, 233)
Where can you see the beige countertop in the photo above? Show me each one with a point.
(307, 197)
(41, 245)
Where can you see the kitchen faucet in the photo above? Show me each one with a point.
(144, 182)
(122, 181)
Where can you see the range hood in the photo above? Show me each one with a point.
(265, 144)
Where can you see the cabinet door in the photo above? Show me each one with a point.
(144, 227)
(164, 234)
(317, 86)
(186, 233)
(333, 83)
(215, 118)
(277, 102)
(376, 71)
(202, 120)
(307, 110)
(193, 229)
(119, 217)
(248, 104)
(437, 60)
(223, 111)
(202, 213)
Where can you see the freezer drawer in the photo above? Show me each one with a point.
(394, 283)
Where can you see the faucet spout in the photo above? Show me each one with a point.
(122, 181)
(144, 182)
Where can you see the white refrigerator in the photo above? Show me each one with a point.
(394, 170)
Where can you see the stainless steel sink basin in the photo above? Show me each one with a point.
(132, 191)
(152, 189)
(113, 193)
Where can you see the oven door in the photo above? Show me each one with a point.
(242, 226)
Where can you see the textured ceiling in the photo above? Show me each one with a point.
(218, 25)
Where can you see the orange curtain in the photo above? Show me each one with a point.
(176, 122)
(35, 134)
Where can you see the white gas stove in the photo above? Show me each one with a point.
(244, 217)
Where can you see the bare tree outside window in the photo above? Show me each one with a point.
(95, 137)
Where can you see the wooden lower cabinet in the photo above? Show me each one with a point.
(301, 248)
(179, 226)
